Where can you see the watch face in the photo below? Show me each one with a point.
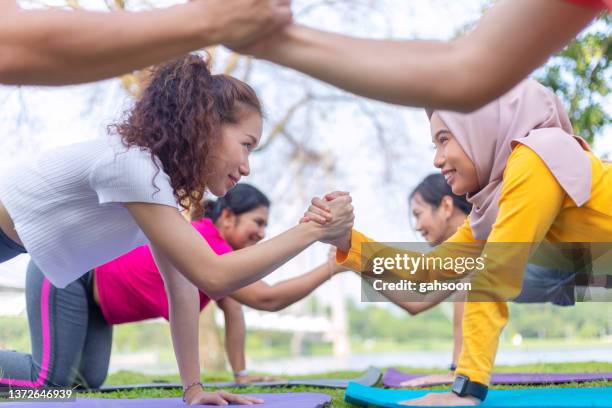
(460, 384)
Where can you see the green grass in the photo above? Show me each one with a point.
(337, 395)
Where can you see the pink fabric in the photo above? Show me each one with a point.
(131, 288)
(529, 114)
(46, 338)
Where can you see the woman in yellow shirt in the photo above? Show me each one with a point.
(529, 180)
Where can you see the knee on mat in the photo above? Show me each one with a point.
(94, 380)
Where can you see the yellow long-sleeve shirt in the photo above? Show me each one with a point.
(533, 207)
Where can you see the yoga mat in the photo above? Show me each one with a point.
(293, 400)
(393, 378)
(370, 377)
(535, 398)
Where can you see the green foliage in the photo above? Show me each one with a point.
(15, 334)
(371, 329)
(537, 321)
(580, 75)
(373, 322)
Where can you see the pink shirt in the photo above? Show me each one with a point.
(131, 289)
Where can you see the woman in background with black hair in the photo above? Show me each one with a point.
(438, 213)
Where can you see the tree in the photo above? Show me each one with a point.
(580, 75)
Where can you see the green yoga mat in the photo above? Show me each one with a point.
(533, 398)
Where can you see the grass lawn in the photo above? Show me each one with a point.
(337, 395)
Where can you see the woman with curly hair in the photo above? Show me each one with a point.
(130, 289)
(80, 206)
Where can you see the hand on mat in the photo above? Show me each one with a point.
(441, 400)
(247, 379)
(246, 21)
(201, 397)
(336, 215)
(434, 379)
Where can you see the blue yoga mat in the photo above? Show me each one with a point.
(534, 398)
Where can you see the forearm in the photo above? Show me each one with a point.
(347, 62)
(217, 276)
(273, 298)
(364, 254)
(235, 335)
(294, 290)
(482, 326)
(54, 47)
(413, 303)
(184, 312)
(237, 269)
(458, 307)
(458, 75)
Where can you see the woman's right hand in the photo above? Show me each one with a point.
(334, 214)
(200, 397)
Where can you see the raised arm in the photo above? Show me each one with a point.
(216, 275)
(510, 41)
(272, 298)
(57, 47)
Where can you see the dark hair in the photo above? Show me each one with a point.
(239, 200)
(178, 118)
(434, 188)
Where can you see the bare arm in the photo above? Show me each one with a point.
(510, 41)
(272, 298)
(235, 333)
(216, 275)
(421, 303)
(56, 47)
(183, 310)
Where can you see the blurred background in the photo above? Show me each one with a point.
(317, 139)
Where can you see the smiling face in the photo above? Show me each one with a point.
(229, 158)
(244, 230)
(431, 222)
(457, 168)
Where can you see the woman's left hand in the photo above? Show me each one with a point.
(440, 400)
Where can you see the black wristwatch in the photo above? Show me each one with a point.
(464, 387)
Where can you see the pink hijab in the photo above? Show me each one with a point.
(529, 114)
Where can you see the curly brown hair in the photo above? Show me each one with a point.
(178, 118)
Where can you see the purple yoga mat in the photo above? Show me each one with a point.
(393, 378)
(284, 400)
